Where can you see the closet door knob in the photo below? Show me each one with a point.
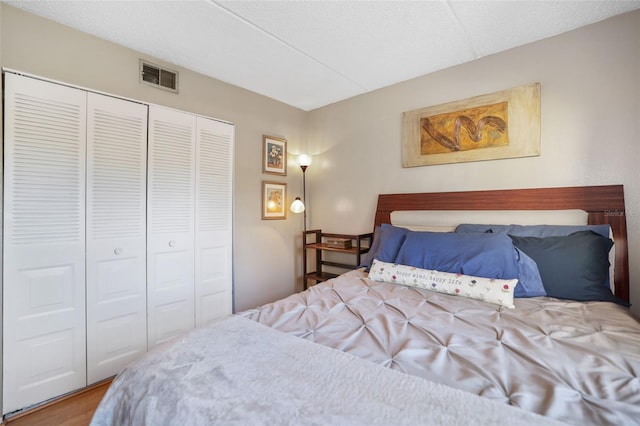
(172, 243)
(117, 251)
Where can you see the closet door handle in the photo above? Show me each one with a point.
(172, 243)
(117, 251)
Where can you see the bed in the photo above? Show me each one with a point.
(400, 342)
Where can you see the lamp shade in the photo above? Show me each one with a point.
(297, 206)
(304, 160)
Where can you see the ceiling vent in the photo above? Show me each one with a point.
(158, 77)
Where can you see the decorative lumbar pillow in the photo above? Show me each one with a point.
(497, 291)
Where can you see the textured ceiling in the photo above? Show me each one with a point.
(312, 53)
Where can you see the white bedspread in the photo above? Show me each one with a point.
(239, 372)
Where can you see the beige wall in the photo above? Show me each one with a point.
(265, 267)
(590, 106)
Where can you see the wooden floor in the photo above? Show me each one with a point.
(73, 410)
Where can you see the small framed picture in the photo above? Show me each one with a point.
(274, 200)
(274, 155)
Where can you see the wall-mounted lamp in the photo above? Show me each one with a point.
(298, 205)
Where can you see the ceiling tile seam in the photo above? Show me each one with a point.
(284, 43)
(463, 29)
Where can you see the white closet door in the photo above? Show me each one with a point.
(44, 241)
(214, 186)
(170, 224)
(116, 234)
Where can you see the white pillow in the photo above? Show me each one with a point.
(489, 290)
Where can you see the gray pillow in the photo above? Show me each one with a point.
(541, 231)
(572, 267)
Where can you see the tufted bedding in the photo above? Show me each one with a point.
(577, 362)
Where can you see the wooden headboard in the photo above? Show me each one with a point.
(604, 204)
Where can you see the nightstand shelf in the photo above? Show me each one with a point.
(360, 244)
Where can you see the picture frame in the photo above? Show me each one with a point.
(274, 200)
(274, 155)
(498, 125)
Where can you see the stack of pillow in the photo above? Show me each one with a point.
(566, 262)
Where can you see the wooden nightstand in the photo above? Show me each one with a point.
(322, 242)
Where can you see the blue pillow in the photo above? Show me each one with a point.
(480, 255)
(540, 231)
(367, 259)
(573, 266)
(386, 243)
(529, 280)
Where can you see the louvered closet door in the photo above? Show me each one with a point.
(44, 241)
(214, 172)
(116, 234)
(170, 224)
